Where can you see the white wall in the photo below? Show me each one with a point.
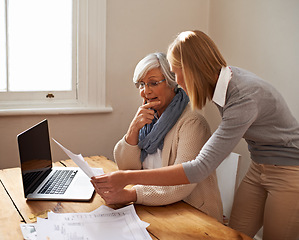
(263, 37)
(134, 29)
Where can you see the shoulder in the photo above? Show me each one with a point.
(246, 86)
(188, 113)
(192, 117)
(244, 80)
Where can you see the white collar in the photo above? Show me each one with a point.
(221, 86)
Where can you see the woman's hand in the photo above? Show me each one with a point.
(124, 196)
(144, 115)
(110, 182)
(111, 188)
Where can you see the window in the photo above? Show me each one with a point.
(50, 64)
(2, 46)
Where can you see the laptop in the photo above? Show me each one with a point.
(42, 181)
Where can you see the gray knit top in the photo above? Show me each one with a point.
(255, 111)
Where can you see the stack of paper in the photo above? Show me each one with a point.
(103, 223)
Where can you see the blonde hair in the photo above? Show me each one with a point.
(200, 60)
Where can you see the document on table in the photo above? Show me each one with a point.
(102, 223)
(79, 160)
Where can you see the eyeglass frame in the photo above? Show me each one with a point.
(149, 84)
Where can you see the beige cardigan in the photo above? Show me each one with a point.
(182, 143)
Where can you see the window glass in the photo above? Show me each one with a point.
(39, 45)
(2, 47)
(52, 56)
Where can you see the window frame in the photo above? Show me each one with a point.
(90, 70)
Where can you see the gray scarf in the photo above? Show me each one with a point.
(151, 136)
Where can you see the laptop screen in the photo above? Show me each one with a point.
(35, 155)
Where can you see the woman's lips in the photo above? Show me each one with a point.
(152, 99)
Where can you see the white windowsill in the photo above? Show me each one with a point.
(54, 111)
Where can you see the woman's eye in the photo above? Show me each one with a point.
(152, 84)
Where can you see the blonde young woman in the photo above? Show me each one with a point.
(251, 109)
(165, 131)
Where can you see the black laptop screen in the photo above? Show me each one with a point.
(35, 155)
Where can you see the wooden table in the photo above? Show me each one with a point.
(175, 221)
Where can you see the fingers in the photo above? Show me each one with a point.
(147, 109)
(151, 104)
(110, 187)
(146, 113)
(108, 196)
(100, 184)
(122, 197)
(100, 179)
(109, 182)
(104, 193)
(143, 116)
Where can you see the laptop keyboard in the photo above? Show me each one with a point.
(59, 182)
(29, 177)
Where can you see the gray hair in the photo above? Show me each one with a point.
(151, 61)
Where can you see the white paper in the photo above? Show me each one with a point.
(102, 223)
(79, 160)
(29, 231)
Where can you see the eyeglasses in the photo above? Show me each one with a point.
(141, 85)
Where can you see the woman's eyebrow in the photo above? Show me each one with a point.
(154, 76)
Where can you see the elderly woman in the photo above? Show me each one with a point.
(165, 131)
